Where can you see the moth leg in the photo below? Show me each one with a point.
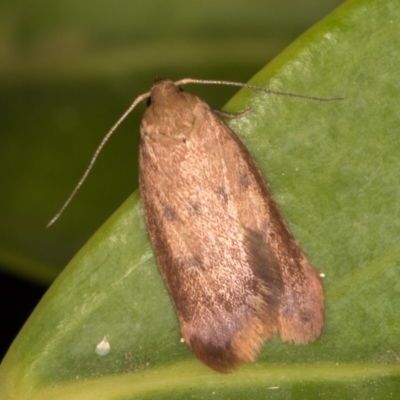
(233, 115)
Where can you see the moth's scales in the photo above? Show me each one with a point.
(235, 273)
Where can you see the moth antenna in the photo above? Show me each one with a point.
(186, 81)
(144, 96)
(96, 154)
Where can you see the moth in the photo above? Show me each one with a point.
(235, 273)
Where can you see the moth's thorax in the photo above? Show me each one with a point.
(171, 112)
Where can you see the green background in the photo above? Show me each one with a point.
(334, 170)
(68, 69)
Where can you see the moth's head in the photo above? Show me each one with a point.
(161, 89)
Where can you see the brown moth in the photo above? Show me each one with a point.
(234, 271)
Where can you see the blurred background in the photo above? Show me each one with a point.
(68, 70)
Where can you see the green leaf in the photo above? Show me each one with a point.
(65, 79)
(334, 170)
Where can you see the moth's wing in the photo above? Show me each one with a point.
(217, 232)
(301, 313)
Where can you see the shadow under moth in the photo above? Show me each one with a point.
(236, 275)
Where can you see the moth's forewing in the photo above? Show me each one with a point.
(234, 271)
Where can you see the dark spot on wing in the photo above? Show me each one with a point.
(220, 357)
(194, 207)
(196, 261)
(222, 192)
(265, 267)
(244, 179)
(169, 213)
(192, 265)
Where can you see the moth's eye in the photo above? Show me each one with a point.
(148, 102)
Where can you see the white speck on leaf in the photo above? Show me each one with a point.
(103, 347)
